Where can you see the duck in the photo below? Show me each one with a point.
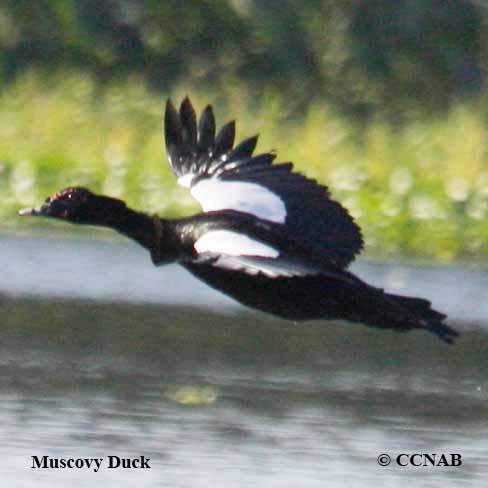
(268, 236)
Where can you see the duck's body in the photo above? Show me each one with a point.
(270, 238)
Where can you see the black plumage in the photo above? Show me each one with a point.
(269, 237)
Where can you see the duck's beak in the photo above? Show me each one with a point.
(41, 210)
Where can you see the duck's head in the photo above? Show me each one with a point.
(77, 205)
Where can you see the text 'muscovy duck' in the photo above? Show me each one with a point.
(270, 238)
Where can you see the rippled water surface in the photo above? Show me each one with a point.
(101, 354)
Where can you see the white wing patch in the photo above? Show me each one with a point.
(215, 194)
(232, 244)
(186, 180)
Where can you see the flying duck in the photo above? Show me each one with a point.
(269, 237)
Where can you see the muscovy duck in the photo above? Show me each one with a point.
(269, 237)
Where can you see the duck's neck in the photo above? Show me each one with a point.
(135, 225)
(152, 233)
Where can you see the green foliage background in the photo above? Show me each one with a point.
(383, 101)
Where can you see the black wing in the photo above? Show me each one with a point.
(275, 268)
(221, 176)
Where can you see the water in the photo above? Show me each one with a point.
(159, 365)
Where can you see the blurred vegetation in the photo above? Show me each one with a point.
(421, 190)
(383, 101)
(361, 56)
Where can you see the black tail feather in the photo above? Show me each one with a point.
(443, 331)
(419, 314)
